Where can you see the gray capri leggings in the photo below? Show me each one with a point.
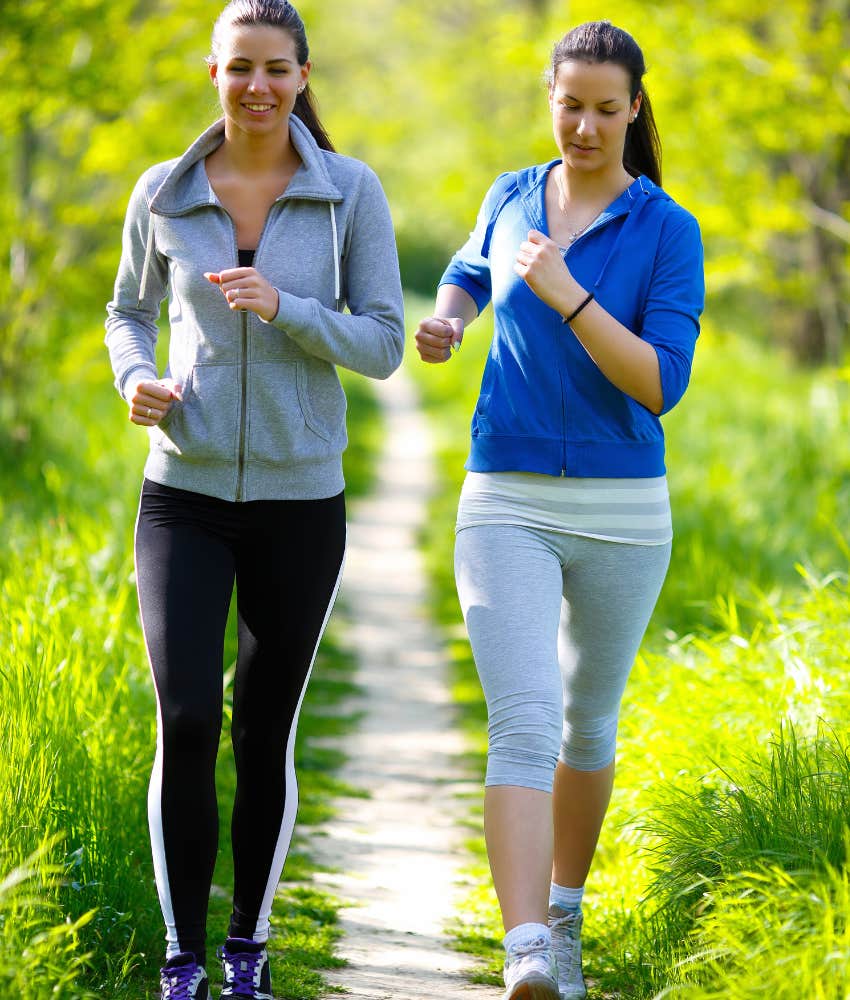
(555, 622)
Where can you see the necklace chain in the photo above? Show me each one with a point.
(562, 197)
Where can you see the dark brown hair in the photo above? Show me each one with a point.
(278, 14)
(601, 41)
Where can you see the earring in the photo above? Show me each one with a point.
(301, 89)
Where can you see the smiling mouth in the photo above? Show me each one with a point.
(259, 107)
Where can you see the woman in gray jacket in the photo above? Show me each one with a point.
(259, 236)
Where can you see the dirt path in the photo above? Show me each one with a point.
(397, 851)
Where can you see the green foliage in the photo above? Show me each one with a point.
(786, 808)
(119, 86)
(40, 955)
(770, 932)
(750, 876)
(76, 719)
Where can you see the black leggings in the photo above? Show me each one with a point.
(285, 557)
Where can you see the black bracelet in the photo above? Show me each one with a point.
(575, 312)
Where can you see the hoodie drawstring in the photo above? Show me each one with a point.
(631, 221)
(336, 255)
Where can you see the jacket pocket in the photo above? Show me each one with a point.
(481, 419)
(296, 411)
(204, 426)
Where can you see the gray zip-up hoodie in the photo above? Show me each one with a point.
(262, 415)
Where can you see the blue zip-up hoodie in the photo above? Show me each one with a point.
(544, 405)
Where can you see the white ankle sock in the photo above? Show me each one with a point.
(567, 899)
(524, 934)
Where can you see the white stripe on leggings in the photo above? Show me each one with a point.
(157, 835)
(290, 808)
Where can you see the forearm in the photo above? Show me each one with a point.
(452, 300)
(371, 344)
(627, 361)
(624, 359)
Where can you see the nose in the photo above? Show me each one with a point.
(586, 126)
(257, 83)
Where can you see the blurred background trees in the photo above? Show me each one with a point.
(753, 102)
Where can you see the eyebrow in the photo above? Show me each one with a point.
(609, 100)
(277, 59)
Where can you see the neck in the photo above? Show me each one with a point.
(257, 154)
(580, 187)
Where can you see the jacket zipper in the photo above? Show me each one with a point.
(563, 400)
(563, 423)
(243, 411)
(560, 366)
(243, 327)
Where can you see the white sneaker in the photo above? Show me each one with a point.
(530, 972)
(565, 926)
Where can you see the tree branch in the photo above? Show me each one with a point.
(832, 222)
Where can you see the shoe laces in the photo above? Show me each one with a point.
(565, 927)
(244, 968)
(537, 945)
(180, 981)
(569, 924)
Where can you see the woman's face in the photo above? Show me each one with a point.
(591, 108)
(258, 76)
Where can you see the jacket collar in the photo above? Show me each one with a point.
(532, 184)
(186, 186)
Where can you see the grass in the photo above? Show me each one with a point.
(78, 910)
(726, 843)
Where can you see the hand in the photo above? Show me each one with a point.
(540, 264)
(246, 288)
(436, 338)
(150, 401)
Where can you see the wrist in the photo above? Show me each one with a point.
(133, 379)
(568, 295)
(578, 307)
(274, 308)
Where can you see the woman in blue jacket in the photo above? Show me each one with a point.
(564, 529)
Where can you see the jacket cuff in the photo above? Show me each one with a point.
(293, 313)
(137, 372)
(481, 296)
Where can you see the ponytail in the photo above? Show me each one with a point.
(305, 109)
(642, 152)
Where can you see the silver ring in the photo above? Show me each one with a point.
(150, 411)
(236, 293)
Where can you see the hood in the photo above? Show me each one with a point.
(185, 186)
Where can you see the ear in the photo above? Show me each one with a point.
(636, 103)
(213, 67)
(551, 96)
(305, 73)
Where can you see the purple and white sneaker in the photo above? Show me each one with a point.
(245, 970)
(181, 978)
